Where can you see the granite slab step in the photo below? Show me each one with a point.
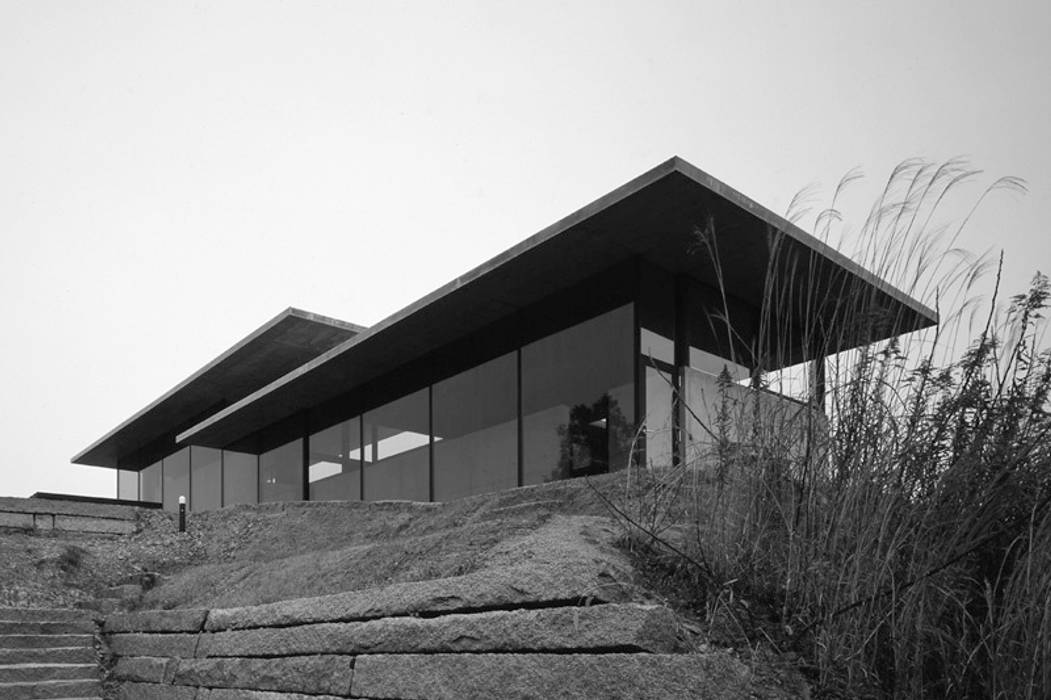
(611, 627)
(45, 641)
(44, 615)
(542, 676)
(51, 690)
(37, 672)
(310, 675)
(46, 627)
(490, 589)
(59, 655)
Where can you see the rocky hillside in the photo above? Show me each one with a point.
(512, 554)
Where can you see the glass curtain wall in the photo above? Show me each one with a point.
(578, 399)
(476, 430)
(206, 478)
(397, 449)
(127, 485)
(457, 437)
(658, 361)
(176, 481)
(334, 469)
(281, 473)
(240, 477)
(150, 483)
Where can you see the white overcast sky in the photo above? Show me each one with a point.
(172, 175)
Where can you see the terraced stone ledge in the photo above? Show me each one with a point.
(509, 634)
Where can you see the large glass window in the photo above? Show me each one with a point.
(206, 480)
(714, 365)
(476, 430)
(659, 425)
(176, 470)
(240, 478)
(281, 473)
(656, 346)
(397, 450)
(127, 485)
(578, 399)
(335, 462)
(150, 483)
(658, 362)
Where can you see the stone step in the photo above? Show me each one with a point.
(37, 672)
(610, 627)
(565, 676)
(51, 690)
(489, 589)
(57, 655)
(311, 675)
(45, 641)
(439, 676)
(44, 615)
(47, 627)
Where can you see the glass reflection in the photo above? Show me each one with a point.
(127, 485)
(334, 469)
(281, 473)
(150, 483)
(397, 450)
(659, 426)
(476, 430)
(578, 399)
(206, 478)
(176, 471)
(240, 477)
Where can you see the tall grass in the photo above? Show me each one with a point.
(897, 538)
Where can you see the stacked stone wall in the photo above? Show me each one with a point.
(479, 635)
(43, 515)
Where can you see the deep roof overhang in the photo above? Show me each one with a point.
(655, 216)
(267, 353)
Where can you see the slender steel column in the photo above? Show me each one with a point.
(682, 361)
(430, 442)
(305, 465)
(521, 431)
(818, 383)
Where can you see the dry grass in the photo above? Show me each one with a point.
(903, 548)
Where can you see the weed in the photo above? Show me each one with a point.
(70, 559)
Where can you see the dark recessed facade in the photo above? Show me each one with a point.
(594, 342)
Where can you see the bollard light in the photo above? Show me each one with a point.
(182, 513)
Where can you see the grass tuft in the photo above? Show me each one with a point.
(897, 538)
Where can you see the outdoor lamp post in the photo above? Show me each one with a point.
(182, 513)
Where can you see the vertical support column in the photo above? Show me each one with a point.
(682, 361)
(640, 368)
(189, 477)
(361, 451)
(258, 468)
(818, 383)
(521, 431)
(305, 467)
(430, 443)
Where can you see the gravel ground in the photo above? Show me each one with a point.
(246, 554)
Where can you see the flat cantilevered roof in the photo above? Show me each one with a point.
(267, 353)
(654, 217)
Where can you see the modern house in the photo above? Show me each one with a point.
(595, 341)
